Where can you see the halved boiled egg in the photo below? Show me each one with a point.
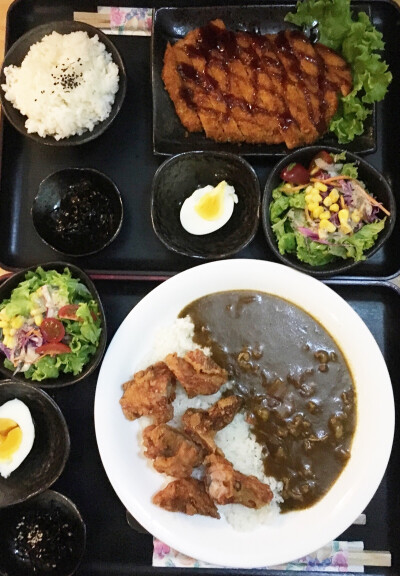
(208, 208)
(17, 434)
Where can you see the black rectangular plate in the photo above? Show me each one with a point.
(113, 548)
(124, 152)
(171, 24)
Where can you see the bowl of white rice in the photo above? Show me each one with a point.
(241, 539)
(62, 83)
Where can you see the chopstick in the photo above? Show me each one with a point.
(369, 558)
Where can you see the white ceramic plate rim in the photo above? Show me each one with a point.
(289, 536)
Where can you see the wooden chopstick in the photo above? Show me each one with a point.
(369, 558)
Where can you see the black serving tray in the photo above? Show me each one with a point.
(124, 152)
(113, 547)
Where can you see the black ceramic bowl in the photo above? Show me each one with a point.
(375, 183)
(63, 379)
(16, 55)
(50, 449)
(178, 177)
(77, 211)
(45, 536)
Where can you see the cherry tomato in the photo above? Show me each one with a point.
(52, 330)
(68, 312)
(53, 349)
(323, 155)
(295, 174)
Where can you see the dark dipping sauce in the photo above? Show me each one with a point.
(298, 392)
(84, 218)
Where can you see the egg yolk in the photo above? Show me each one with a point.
(10, 438)
(210, 205)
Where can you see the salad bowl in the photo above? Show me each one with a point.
(66, 346)
(293, 233)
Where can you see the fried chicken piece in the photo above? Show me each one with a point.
(186, 495)
(228, 486)
(245, 87)
(150, 393)
(202, 425)
(172, 452)
(197, 373)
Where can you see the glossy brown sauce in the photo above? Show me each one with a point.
(297, 388)
(218, 47)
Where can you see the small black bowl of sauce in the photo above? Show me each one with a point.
(45, 535)
(77, 211)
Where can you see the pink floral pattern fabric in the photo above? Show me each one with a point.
(129, 21)
(331, 558)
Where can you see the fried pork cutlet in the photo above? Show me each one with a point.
(197, 373)
(186, 495)
(172, 452)
(202, 425)
(228, 486)
(150, 393)
(245, 87)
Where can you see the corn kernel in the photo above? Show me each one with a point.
(38, 319)
(12, 331)
(325, 215)
(326, 225)
(334, 195)
(3, 323)
(316, 197)
(343, 216)
(309, 189)
(346, 229)
(308, 198)
(356, 216)
(327, 202)
(6, 331)
(17, 322)
(321, 186)
(317, 212)
(312, 206)
(334, 207)
(9, 341)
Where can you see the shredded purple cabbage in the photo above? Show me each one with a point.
(5, 350)
(311, 234)
(24, 339)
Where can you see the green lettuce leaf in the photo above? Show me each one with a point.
(358, 41)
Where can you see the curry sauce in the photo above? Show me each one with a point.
(297, 388)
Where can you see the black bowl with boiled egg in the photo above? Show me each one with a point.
(77, 211)
(205, 204)
(292, 227)
(45, 536)
(49, 326)
(34, 442)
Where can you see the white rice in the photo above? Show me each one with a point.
(236, 440)
(65, 85)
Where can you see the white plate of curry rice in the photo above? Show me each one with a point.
(284, 339)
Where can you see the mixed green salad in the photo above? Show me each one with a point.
(323, 212)
(50, 325)
(359, 42)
